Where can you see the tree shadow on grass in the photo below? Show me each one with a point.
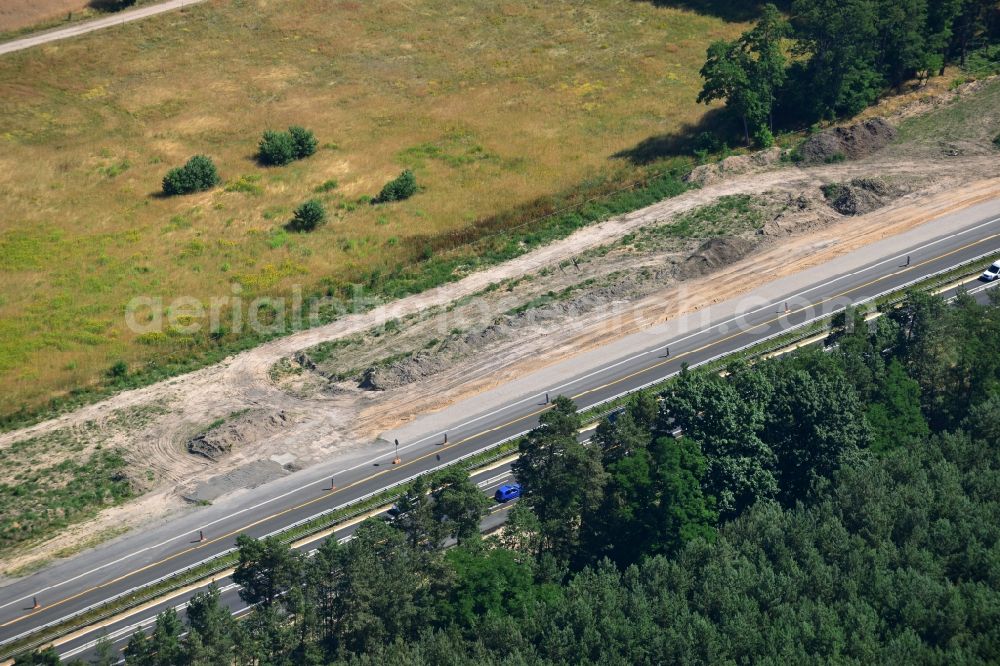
(738, 11)
(684, 141)
(110, 5)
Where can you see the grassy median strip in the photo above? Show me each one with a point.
(326, 521)
(777, 343)
(208, 570)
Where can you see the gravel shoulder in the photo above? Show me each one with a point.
(280, 410)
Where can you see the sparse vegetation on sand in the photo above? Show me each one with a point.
(493, 108)
(67, 475)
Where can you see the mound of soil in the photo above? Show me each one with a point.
(218, 442)
(706, 174)
(860, 196)
(714, 253)
(797, 212)
(851, 142)
(405, 371)
(304, 360)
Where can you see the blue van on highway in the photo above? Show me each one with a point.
(507, 492)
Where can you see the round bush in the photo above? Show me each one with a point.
(276, 148)
(764, 138)
(308, 216)
(119, 370)
(197, 175)
(304, 141)
(402, 187)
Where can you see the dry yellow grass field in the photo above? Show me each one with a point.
(491, 104)
(20, 14)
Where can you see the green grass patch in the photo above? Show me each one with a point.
(51, 496)
(967, 118)
(248, 184)
(728, 216)
(326, 186)
(115, 169)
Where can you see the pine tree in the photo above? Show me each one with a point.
(165, 644)
(561, 478)
(210, 630)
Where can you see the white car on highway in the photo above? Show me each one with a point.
(991, 273)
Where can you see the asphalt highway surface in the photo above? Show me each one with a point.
(635, 361)
(121, 630)
(82, 645)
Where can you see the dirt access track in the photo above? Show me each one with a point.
(322, 425)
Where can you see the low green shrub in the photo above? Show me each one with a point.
(276, 148)
(326, 186)
(248, 184)
(115, 169)
(304, 141)
(402, 187)
(831, 190)
(795, 154)
(764, 138)
(281, 148)
(198, 175)
(958, 82)
(308, 216)
(119, 370)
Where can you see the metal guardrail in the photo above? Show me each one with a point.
(901, 288)
(319, 527)
(222, 566)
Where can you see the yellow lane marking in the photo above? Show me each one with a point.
(495, 428)
(778, 318)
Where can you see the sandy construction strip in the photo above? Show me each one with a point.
(328, 428)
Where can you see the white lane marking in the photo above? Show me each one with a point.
(768, 306)
(499, 477)
(983, 287)
(509, 406)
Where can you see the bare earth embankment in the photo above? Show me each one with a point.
(292, 419)
(491, 105)
(314, 394)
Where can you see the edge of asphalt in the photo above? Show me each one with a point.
(187, 522)
(549, 378)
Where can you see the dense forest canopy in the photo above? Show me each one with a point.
(823, 59)
(838, 504)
